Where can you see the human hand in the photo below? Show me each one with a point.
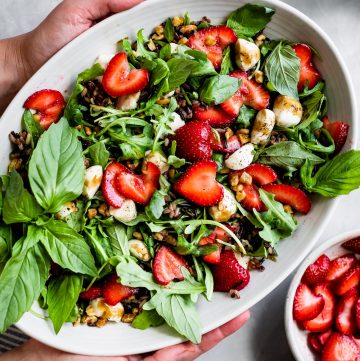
(35, 351)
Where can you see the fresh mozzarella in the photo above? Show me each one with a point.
(177, 122)
(247, 54)
(99, 308)
(241, 158)
(126, 213)
(288, 111)
(139, 250)
(93, 178)
(66, 210)
(158, 159)
(128, 102)
(225, 208)
(263, 125)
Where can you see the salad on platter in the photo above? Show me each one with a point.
(172, 170)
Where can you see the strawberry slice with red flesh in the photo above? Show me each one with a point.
(308, 73)
(229, 274)
(49, 105)
(357, 313)
(324, 336)
(323, 321)
(114, 292)
(340, 348)
(119, 80)
(352, 245)
(225, 145)
(252, 198)
(167, 266)
(314, 343)
(218, 233)
(92, 293)
(108, 185)
(212, 41)
(317, 271)
(338, 130)
(339, 266)
(345, 313)
(307, 305)
(193, 141)
(139, 188)
(261, 174)
(292, 196)
(349, 280)
(198, 184)
(233, 105)
(212, 114)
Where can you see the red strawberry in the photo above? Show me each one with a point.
(308, 73)
(292, 196)
(252, 199)
(357, 313)
(261, 174)
(213, 114)
(352, 245)
(317, 271)
(314, 343)
(193, 141)
(139, 188)
(357, 341)
(92, 293)
(306, 305)
(119, 80)
(214, 257)
(340, 348)
(229, 274)
(198, 184)
(111, 194)
(212, 41)
(350, 279)
(49, 105)
(324, 336)
(167, 266)
(323, 321)
(339, 266)
(250, 93)
(345, 313)
(338, 130)
(225, 145)
(114, 292)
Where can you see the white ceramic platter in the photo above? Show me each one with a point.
(60, 72)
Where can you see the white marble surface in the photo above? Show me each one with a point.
(263, 338)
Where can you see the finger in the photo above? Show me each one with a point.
(188, 351)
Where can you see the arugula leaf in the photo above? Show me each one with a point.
(226, 65)
(156, 206)
(21, 282)
(169, 30)
(19, 204)
(62, 295)
(67, 248)
(282, 68)
(175, 161)
(118, 239)
(249, 19)
(180, 69)
(56, 168)
(99, 154)
(140, 47)
(219, 88)
(315, 106)
(160, 72)
(147, 319)
(209, 282)
(32, 127)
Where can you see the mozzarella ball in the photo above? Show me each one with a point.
(158, 159)
(247, 54)
(126, 213)
(263, 125)
(66, 210)
(128, 102)
(241, 158)
(225, 208)
(288, 111)
(93, 178)
(99, 308)
(139, 250)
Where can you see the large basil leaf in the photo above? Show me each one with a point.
(21, 282)
(99, 154)
(67, 248)
(56, 169)
(62, 295)
(19, 204)
(147, 319)
(118, 239)
(180, 69)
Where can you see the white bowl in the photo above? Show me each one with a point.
(297, 338)
(59, 73)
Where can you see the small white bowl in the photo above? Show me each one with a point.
(297, 338)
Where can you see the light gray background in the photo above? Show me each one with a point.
(263, 338)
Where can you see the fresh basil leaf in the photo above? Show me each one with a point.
(19, 204)
(33, 236)
(32, 127)
(90, 73)
(246, 116)
(318, 87)
(165, 52)
(187, 19)
(119, 240)
(180, 69)
(156, 206)
(249, 19)
(160, 72)
(56, 168)
(6, 241)
(201, 65)
(76, 220)
(219, 88)
(67, 248)
(226, 65)
(21, 282)
(282, 68)
(62, 295)
(147, 319)
(169, 30)
(99, 154)
(315, 106)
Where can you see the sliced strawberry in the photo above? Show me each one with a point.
(314, 343)
(323, 321)
(212, 41)
(111, 194)
(357, 313)
(261, 174)
(352, 245)
(324, 336)
(92, 293)
(345, 313)
(213, 114)
(214, 257)
(308, 73)
(49, 105)
(167, 266)
(193, 141)
(119, 80)
(139, 188)
(350, 279)
(198, 184)
(339, 266)
(229, 274)
(317, 271)
(225, 145)
(340, 348)
(114, 292)
(219, 233)
(306, 305)
(338, 130)
(292, 196)
(357, 341)
(233, 105)
(252, 198)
